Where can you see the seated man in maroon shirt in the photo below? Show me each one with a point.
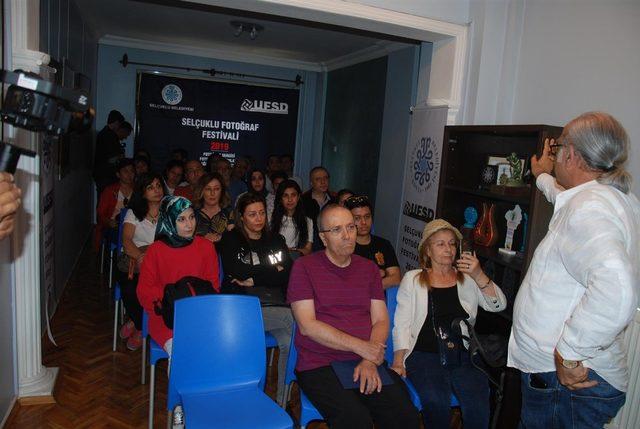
(338, 302)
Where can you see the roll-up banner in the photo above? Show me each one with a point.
(206, 116)
(421, 180)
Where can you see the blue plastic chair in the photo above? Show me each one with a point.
(215, 373)
(156, 353)
(308, 412)
(117, 295)
(392, 303)
(269, 339)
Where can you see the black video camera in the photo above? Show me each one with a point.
(39, 105)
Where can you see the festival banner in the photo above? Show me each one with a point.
(421, 180)
(206, 116)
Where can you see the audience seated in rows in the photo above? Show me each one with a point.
(370, 246)
(256, 262)
(339, 305)
(289, 219)
(213, 211)
(138, 232)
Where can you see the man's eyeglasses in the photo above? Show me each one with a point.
(337, 230)
(357, 199)
(553, 148)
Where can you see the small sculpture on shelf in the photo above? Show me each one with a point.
(470, 219)
(513, 218)
(485, 233)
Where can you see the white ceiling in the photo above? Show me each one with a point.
(207, 31)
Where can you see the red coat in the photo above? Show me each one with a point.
(163, 265)
(106, 205)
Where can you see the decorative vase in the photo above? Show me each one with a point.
(485, 233)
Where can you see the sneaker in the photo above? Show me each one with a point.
(127, 329)
(178, 418)
(135, 341)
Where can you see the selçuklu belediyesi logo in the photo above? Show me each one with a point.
(425, 164)
(172, 94)
(261, 106)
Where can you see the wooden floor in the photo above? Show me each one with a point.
(98, 388)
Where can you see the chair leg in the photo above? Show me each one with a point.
(102, 258)
(152, 386)
(273, 352)
(122, 311)
(144, 361)
(110, 268)
(115, 324)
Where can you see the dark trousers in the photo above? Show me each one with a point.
(130, 298)
(435, 384)
(349, 409)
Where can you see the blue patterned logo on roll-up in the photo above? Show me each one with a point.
(425, 160)
(172, 94)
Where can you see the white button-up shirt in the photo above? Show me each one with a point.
(581, 289)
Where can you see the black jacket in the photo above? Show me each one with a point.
(257, 259)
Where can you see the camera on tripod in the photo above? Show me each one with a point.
(38, 105)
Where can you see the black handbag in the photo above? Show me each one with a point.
(184, 288)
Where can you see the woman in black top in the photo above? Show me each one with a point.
(257, 263)
(213, 214)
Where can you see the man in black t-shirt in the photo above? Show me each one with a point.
(371, 246)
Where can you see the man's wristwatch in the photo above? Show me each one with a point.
(570, 364)
(567, 363)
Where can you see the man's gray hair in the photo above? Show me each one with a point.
(603, 144)
(326, 209)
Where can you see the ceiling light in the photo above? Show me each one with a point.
(246, 27)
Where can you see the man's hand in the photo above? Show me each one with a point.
(367, 373)
(573, 379)
(543, 164)
(9, 203)
(213, 237)
(383, 273)
(372, 351)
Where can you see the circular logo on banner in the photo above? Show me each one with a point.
(425, 161)
(172, 94)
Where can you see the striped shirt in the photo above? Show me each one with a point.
(342, 298)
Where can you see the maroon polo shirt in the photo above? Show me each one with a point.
(342, 298)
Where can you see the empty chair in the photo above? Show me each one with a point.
(216, 373)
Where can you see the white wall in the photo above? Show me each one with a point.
(578, 56)
(456, 11)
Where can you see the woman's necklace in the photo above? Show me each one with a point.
(153, 219)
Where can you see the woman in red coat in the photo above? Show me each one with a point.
(175, 254)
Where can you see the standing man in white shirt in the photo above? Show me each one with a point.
(581, 289)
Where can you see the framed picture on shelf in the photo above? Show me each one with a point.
(503, 173)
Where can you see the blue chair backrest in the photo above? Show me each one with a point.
(392, 302)
(218, 342)
(123, 213)
(290, 374)
(220, 270)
